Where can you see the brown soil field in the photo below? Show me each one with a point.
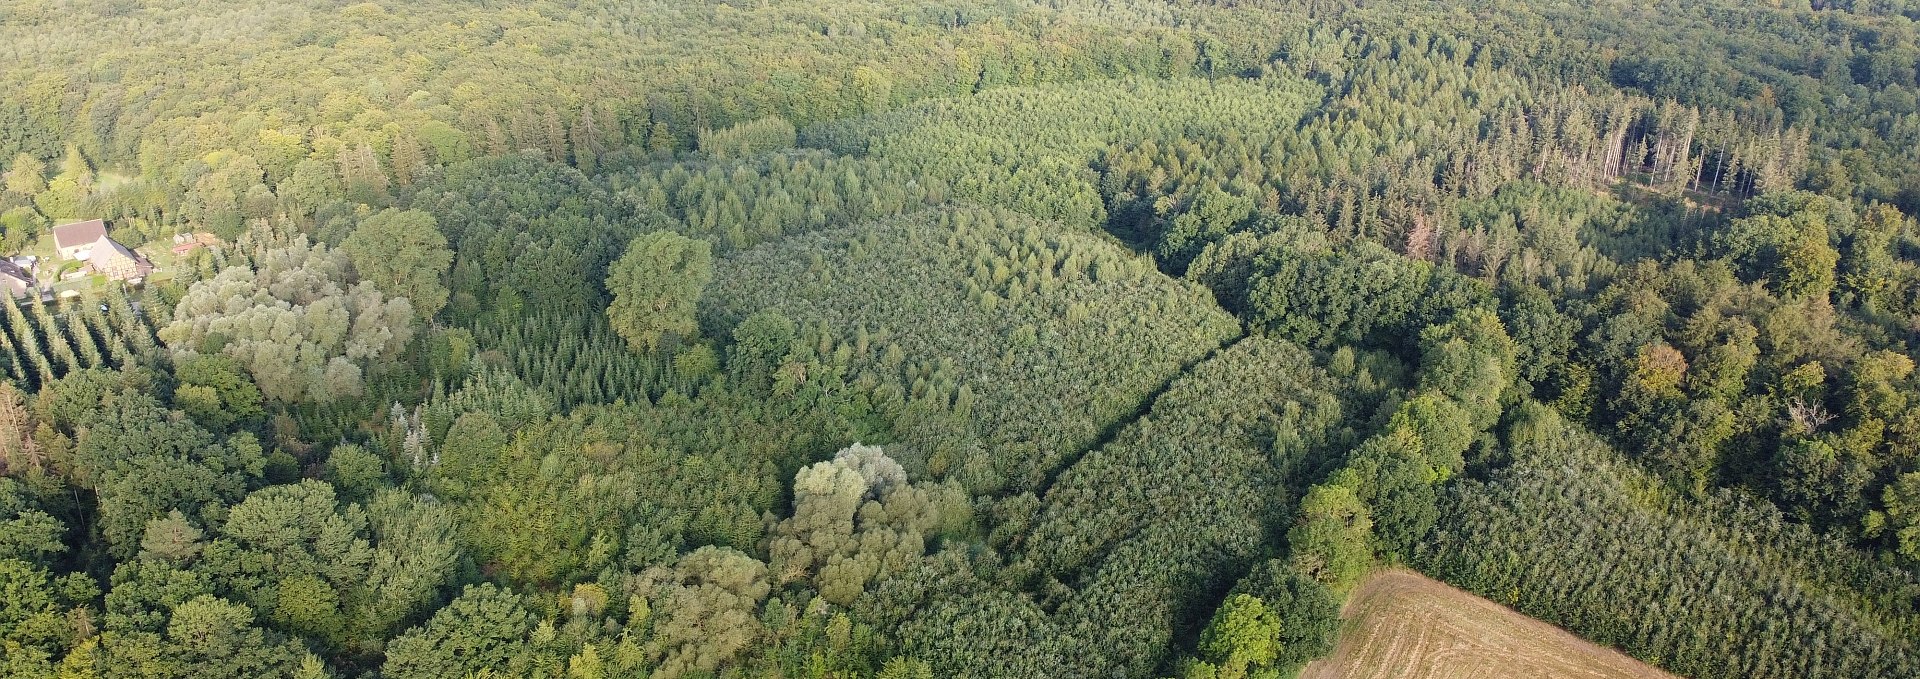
(1404, 625)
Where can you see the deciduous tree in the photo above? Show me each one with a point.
(655, 285)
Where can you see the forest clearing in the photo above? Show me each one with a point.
(1400, 623)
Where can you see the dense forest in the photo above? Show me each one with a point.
(725, 339)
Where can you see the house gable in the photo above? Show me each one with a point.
(116, 261)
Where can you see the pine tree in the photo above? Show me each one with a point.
(408, 158)
(27, 341)
(360, 172)
(556, 136)
(127, 323)
(61, 350)
(587, 144)
(116, 347)
(78, 335)
(497, 144)
(660, 141)
(18, 450)
(10, 359)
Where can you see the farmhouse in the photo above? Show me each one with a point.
(73, 241)
(116, 261)
(87, 241)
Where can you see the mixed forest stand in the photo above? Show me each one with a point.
(1013, 339)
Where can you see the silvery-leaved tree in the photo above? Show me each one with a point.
(297, 318)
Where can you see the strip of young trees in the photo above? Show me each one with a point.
(997, 344)
(44, 341)
(1716, 586)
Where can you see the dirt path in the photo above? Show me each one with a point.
(1404, 625)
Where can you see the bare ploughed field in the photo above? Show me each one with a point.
(1403, 625)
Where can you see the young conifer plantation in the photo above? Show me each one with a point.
(853, 339)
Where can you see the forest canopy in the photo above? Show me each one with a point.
(1011, 339)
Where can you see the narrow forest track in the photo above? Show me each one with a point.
(1113, 429)
(1401, 624)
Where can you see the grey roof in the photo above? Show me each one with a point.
(12, 270)
(112, 246)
